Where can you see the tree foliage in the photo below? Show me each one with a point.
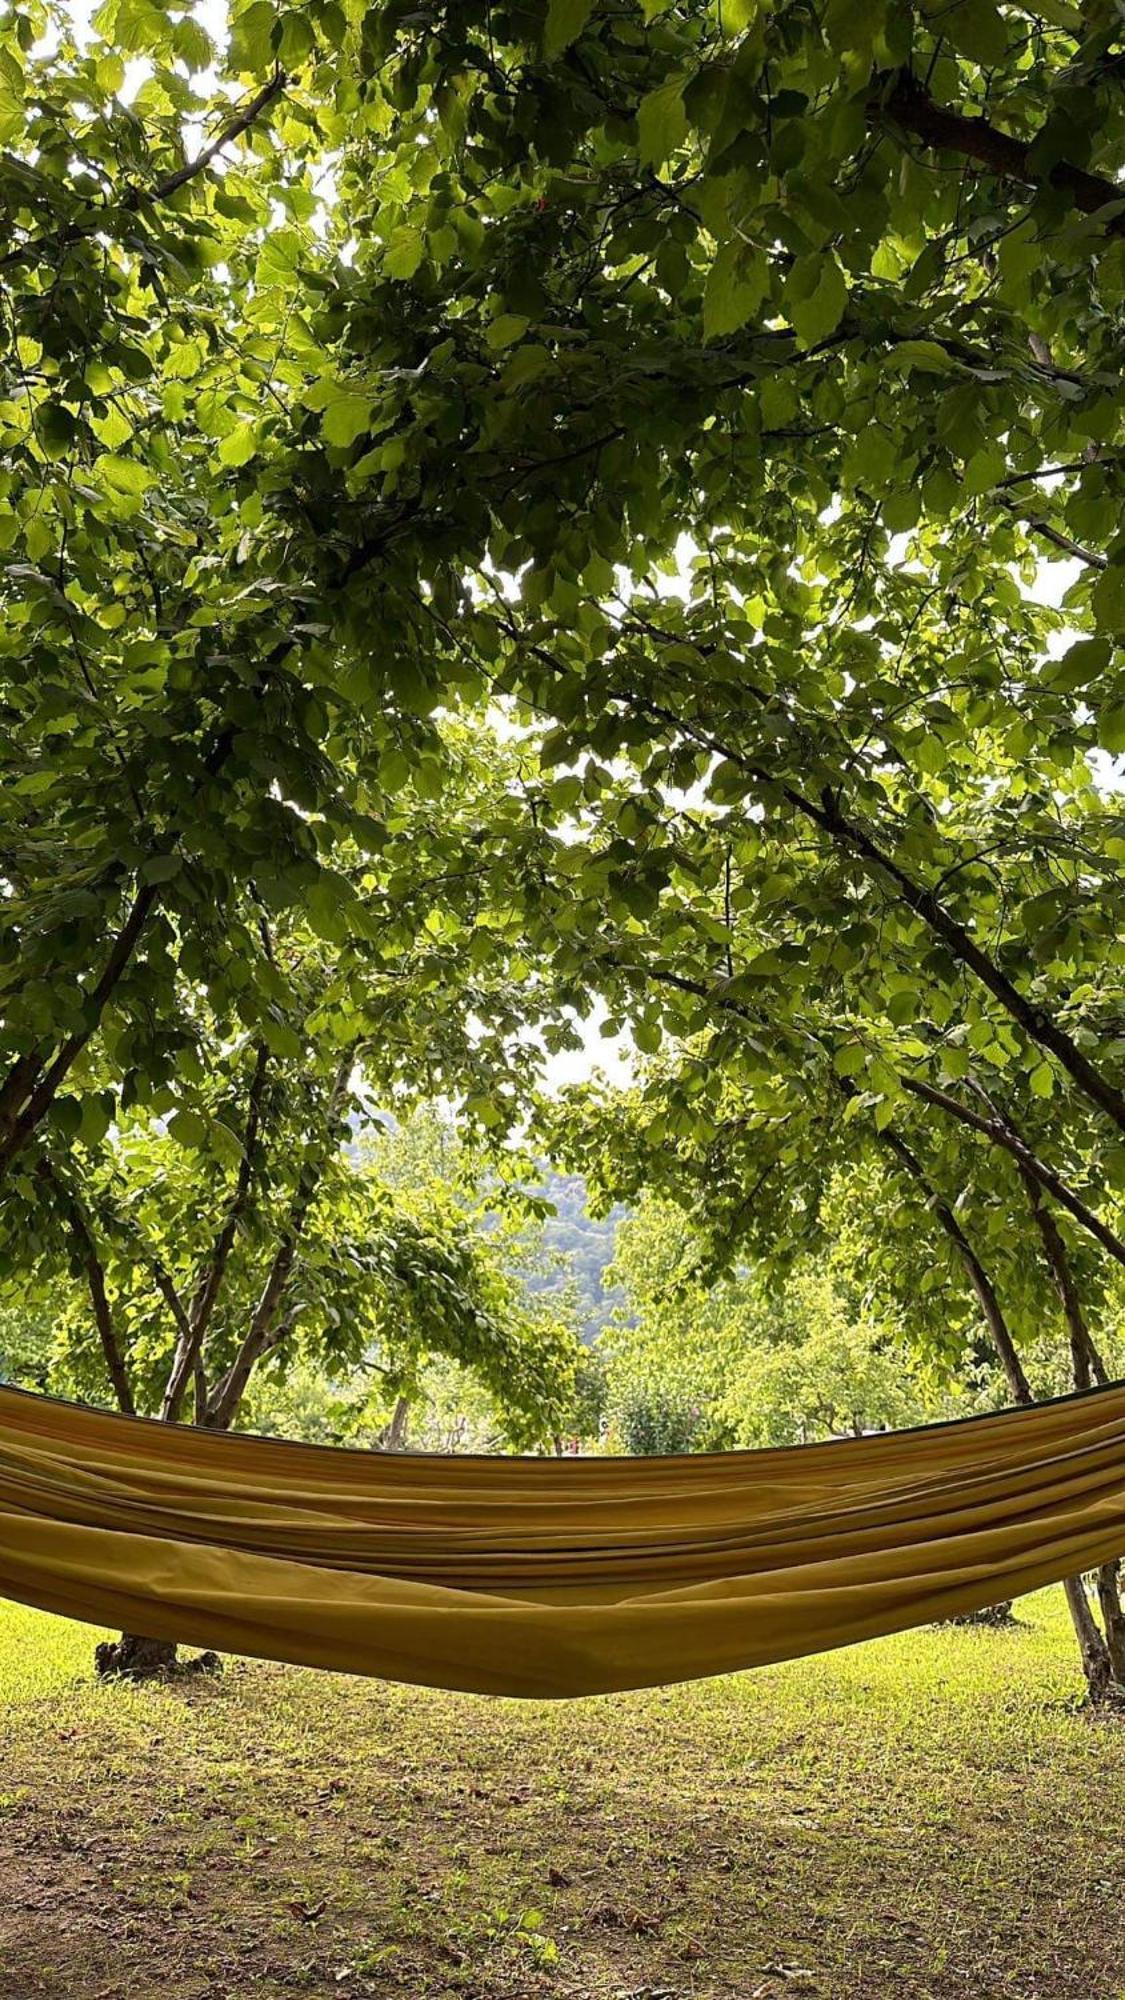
(736, 1361)
(833, 293)
(707, 394)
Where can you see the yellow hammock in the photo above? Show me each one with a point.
(527, 1576)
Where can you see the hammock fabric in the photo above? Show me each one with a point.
(535, 1577)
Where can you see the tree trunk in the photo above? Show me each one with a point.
(1096, 1662)
(186, 1362)
(994, 1617)
(224, 1400)
(1113, 1618)
(1103, 1657)
(133, 1658)
(394, 1437)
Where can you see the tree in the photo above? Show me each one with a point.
(753, 1364)
(950, 1260)
(222, 1230)
(25, 1347)
(795, 287)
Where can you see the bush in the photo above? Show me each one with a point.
(652, 1425)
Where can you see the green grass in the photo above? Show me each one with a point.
(926, 1818)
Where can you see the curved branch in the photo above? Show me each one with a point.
(136, 197)
(1000, 1133)
(82, 1237)
(978, 1277)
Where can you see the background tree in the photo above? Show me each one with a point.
(816, 1356)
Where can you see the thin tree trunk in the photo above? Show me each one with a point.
(1087, 1367)
(135, 1658)
(1113, 1617)
(978, 1277)
(1096, 1662)
(190, 1345)
(1086, 1362)
(394, 1437)
(222, 1406)
(82, 1236)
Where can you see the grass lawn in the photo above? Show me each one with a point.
(924, 1818)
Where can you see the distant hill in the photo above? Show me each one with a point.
(583, 1246)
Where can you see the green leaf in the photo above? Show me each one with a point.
(97, 1116)
(852, 26)
(295, 38)
(346, 418)
(816, 298)
(160, 868)
(404, 253)
(927, 356)
(239, 445)
(125, 476)
(1108, 599)
(188, 1128)
(661, 124)
(13, 114)
(738, 15)
(1111, 728)
(565, 22)
(251, 43)
(505, 330)
(984, 469)
(737, 284)
(874, 458)
(526, 365)
(976, 28)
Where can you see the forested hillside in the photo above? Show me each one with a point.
(577, 1249)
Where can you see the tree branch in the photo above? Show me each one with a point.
(1086, 1361)
(1037, 1024)
(978, 1277)
(21, 1122)
(1035, 525)
(190, 1345)
(137, 197)
(82, 1237)
(223, 1403)
(1001, 1133)
(909, 105)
